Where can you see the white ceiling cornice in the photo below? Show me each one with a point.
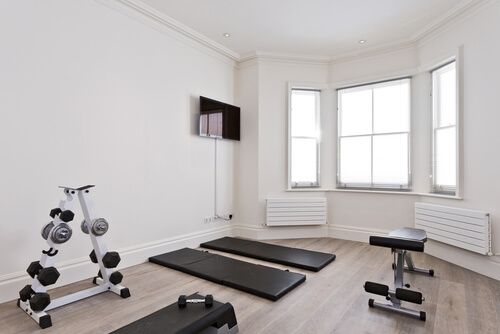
(165, 20)
(374, 51)
(461, 11)
(286, 57)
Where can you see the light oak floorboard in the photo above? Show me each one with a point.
(330, 301)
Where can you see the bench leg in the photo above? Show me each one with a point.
(410, 267)
(398, 309)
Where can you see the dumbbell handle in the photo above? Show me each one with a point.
(195, 301)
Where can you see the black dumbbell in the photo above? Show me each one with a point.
(110, 259)
(26, 293)
(183, 301)
(66, 216)
(34, 268)
(116, 278)
(39, 301)
(54, 212)
(48, 276)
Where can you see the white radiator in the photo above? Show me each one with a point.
(295, 211)
(467, 229)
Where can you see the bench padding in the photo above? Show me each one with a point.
(397, 243)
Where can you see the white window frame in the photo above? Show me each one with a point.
(298, 185)
(371, 185)
(436, 188)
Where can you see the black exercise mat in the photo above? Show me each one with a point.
(189, 320)
(289, 256)
(262, 281)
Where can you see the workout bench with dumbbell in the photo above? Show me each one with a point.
(401, 242)
(213, 317)
(33, 298)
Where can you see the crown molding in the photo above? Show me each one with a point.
(286, 57)
(461, 11)
(374, 51)
(165, 20)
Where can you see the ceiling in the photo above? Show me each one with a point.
(306, 27)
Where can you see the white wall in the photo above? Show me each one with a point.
(364, 210)
(263, 159)
(89, 94)
(247, 161)
(273, 115)
(93, 93)
(478, 34)
(274, 77)
(481, 185)
(357, 215)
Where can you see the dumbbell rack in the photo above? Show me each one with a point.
(38, 290)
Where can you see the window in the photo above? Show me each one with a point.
(374, 135)
(304, 138)
(444, 129)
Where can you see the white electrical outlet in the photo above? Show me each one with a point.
(208, 220)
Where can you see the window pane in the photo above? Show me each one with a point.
(355, 160)
(304, 113)
(304, 160)
(445, 157)
(390, 159)
(356, 112)
(391, 107)
(447, 95)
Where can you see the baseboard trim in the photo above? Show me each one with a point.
(263, 232)
(353, 233)
(81, 268)
(481, 264)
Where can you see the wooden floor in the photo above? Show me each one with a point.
(330, 301)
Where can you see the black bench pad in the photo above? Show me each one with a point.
(397, 243)
(289, 256)
(189, 320)
(262, 281)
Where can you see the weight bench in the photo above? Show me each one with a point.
(401, 242)
(412, 234)
(200, 318)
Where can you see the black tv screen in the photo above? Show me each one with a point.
(219, 120)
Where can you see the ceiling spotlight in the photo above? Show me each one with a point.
(362, 41)
(226, 35)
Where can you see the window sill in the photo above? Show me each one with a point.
(385, 192)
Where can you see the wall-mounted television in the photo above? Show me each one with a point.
(219, 120)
